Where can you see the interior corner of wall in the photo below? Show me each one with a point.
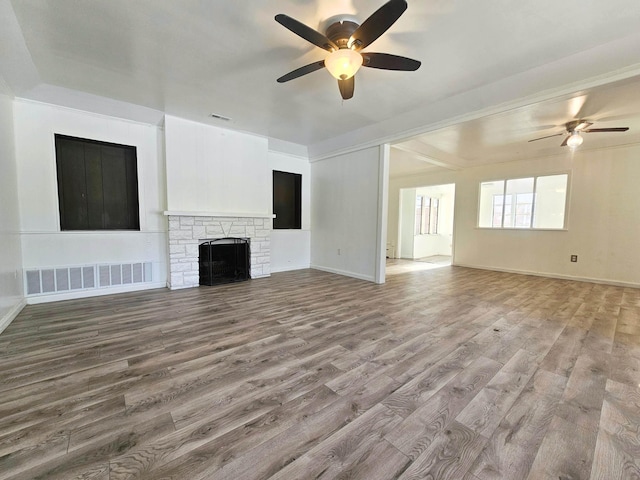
(11, 314)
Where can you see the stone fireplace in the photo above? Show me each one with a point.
(186, 232)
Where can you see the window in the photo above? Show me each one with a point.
(287, 200)
(97, 185)
(426, 215)
(532, 202)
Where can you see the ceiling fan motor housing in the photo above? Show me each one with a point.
(340, 32)
(577, 125)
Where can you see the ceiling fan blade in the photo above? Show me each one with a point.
(564, 144)
(346, 87)
(312, 67)
(308, 33)
(378, 23)
(615, 129)
(548, 136)
(386, 61)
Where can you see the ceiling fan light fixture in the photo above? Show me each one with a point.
(575, 140)
(343, 63)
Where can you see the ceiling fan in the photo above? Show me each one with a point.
(344, 38)
(575, 128)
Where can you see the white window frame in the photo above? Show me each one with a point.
(432, 225)
(535, 183)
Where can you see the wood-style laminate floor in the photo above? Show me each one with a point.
(449, 373)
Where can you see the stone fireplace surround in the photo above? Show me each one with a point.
(186, 232)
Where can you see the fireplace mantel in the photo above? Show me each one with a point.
(218, 214)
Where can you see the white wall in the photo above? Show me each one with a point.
(603, 218)
(406, 226)
(43, 244)
(291, 249)
(11, 291)
(210, 169)
(347, 198)
(430, 245)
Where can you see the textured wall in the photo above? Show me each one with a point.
(186, 232)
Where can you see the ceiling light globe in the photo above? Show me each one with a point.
(575, 140)
(343, 63)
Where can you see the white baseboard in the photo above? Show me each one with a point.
(11, 314)
(97, 292)
(290, 268)
(558, 276)
(368, 278)
(181, 287)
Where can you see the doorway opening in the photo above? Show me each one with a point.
(424, 225)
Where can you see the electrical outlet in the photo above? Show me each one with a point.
(339, 253)
(574, 258)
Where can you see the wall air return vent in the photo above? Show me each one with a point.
(86, 277)
(124, 274)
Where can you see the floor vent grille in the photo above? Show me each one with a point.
(86, 277)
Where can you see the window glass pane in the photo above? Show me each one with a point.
(498, 202)
(433, 228)
(519, 200)
(551, 194)
(418, 214)
(508, 213)
(490, 193)
(523, 209)
(426, 209)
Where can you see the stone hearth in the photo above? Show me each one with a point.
(186, 232)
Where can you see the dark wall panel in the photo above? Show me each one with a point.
(287, 200)
(115, 196)
(95, 203)
(97, 185)
(133, 205)
(72, 185)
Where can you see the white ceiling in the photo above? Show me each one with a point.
(505, 136)
(189, 58)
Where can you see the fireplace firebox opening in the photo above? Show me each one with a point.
(224, 260)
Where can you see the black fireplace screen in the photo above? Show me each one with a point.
(224, 260)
